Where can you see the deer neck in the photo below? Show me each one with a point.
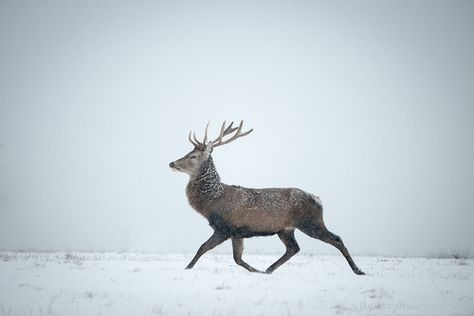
(205, 185)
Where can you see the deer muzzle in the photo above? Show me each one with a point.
(173, 166)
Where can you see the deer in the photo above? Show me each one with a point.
(236, 212)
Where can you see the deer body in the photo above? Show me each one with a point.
(236, 212)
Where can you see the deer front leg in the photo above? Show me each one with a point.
(238, 248)
(216, 239)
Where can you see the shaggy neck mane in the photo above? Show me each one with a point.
(207, 181)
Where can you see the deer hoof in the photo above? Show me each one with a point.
(359, 272)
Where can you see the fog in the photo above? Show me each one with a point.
(367, 104)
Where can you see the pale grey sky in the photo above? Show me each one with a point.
(368, 104)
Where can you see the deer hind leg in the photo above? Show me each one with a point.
(287, 236)
(322, 233)
(216, 239)
(238, 248)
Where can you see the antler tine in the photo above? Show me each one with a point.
(228, 130)
(221, 134)
(224, 131)
(205, 133)
(194, 139)
(190, 139)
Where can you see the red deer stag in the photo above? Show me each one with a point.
(237, 213)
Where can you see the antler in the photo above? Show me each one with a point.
(219, 140)
(229, 130)
(197, 143)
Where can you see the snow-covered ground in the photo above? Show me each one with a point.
(34, 283)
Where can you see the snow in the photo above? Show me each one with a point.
(41, 283)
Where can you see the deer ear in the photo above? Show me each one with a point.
(209, 148)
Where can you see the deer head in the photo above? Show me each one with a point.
(191, 163)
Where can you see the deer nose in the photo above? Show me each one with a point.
(171, 164)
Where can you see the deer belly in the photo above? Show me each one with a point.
(243, 227)
(235, 229)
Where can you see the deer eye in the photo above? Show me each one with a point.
(192, 157)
